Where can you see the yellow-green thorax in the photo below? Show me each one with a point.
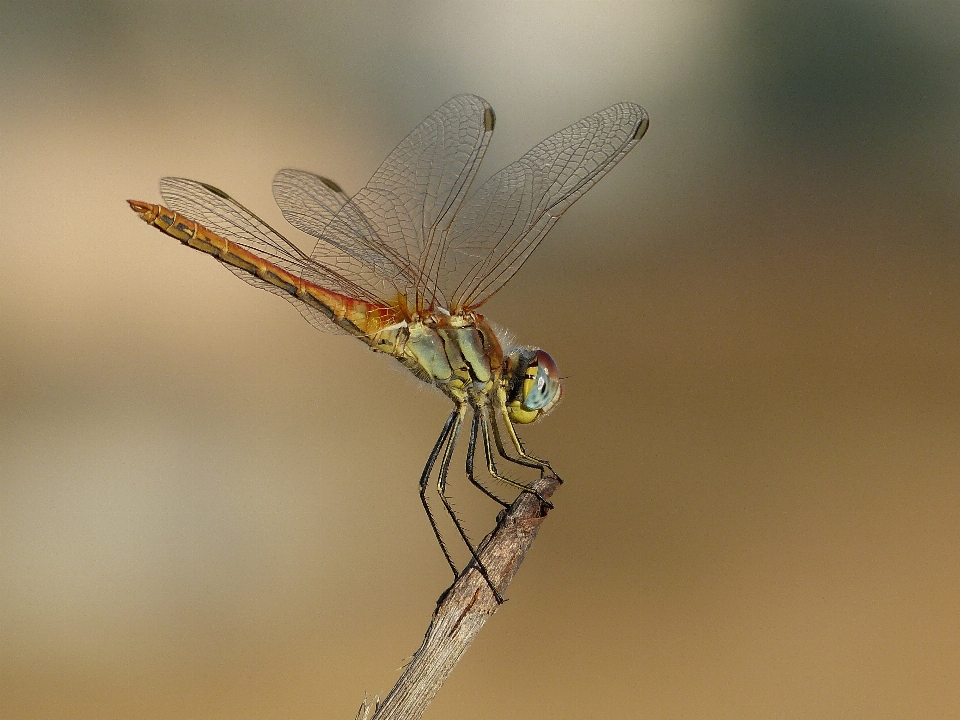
(460, 354)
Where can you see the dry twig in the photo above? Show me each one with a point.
(464, 608)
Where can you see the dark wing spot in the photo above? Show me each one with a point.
(489, 119)
(216, 191)
(641, 128)
(330, 184)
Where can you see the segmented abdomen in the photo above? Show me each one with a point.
(358, 317)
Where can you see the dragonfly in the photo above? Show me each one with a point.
(405, 263)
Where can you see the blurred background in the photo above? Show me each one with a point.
(209, 510)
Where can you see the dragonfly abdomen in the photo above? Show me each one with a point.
(358, 317)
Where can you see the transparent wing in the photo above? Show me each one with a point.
(308, 201)
(394, 228)
(347, 239)
(504, 220)
(217, 211)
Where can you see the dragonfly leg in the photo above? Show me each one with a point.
(471, 450)
(524, 458)
(457, 420)
(425, 478)
(492, 465)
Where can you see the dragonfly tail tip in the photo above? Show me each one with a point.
(146, 211)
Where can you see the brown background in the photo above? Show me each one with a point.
(208, 509)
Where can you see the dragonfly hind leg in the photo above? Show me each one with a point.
(446, 443)
(425, 478)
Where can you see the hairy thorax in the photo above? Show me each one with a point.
(459, 354)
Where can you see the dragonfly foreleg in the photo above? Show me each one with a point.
(485, 422)
(524, 458)
(425, 478)
(457, 420)
(471, 450)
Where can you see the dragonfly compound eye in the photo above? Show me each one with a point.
(539, 391)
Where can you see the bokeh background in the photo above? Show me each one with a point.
(209, 510)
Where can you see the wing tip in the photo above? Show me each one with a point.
(215, 190)
(642, 125)
(481, 105)
(289, 175)
(172, 184)
(489, 119)
(331, 184)
(641, 120)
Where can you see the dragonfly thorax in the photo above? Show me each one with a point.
(460, 354)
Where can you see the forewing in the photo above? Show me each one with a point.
(397, 222)
(217, 211)
(506, 218)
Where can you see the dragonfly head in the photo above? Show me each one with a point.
(533, 384)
